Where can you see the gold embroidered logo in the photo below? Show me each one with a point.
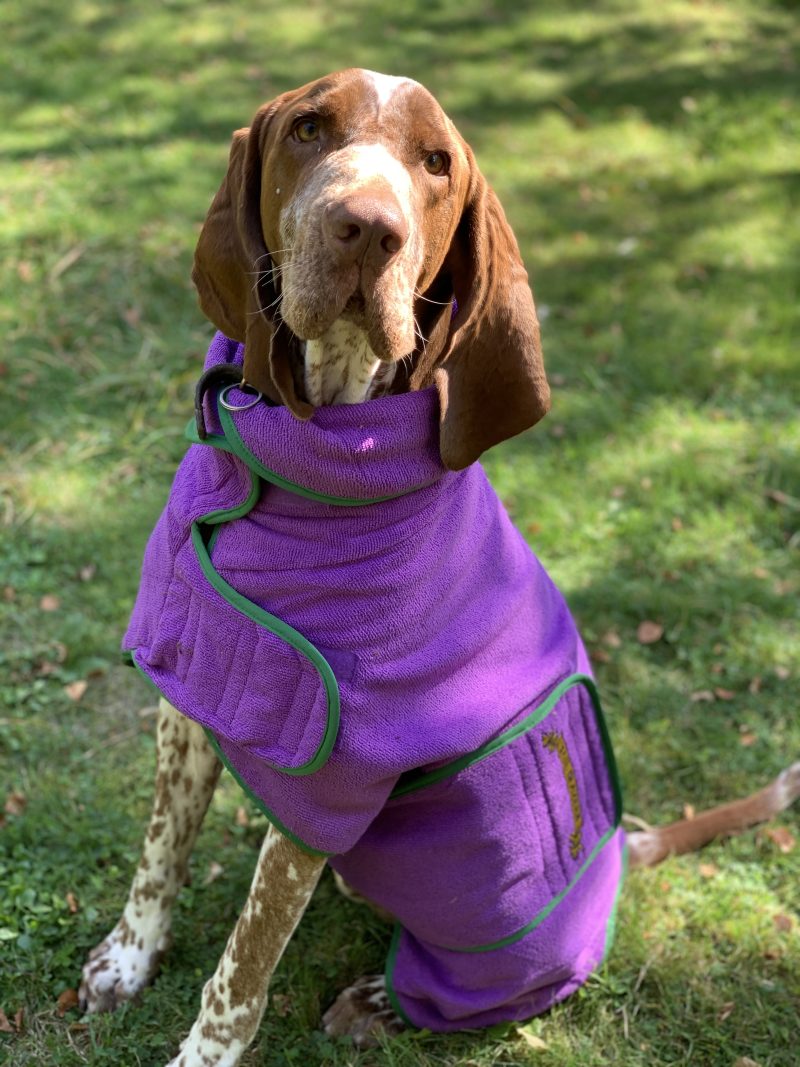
(555, 742)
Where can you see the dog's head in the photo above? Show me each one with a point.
(355, 198)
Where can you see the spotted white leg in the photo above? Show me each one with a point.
(235, 997)
(187, 770)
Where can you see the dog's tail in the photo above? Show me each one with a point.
(646, 848)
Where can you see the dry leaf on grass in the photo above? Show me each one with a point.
(75, 690)
(725, 1011)
(531, 1040)
(781, 837)
(15, 803)
(708, 870)
(66, 1002)
(648, 632)
(724, 694)
(784, 924)
(13, 1026)
(214, 871)
(50, 602)
(745, 1061)
(704, 695)
(747, 739)
(72, 903)
(281, 1004)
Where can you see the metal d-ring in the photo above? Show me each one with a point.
(237, 407)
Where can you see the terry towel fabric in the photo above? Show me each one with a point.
(389, 671)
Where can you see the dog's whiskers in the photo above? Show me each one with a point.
(441, 303)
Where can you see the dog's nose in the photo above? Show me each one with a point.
(368, 225)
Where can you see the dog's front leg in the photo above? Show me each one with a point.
(235, 997)
(187, 770)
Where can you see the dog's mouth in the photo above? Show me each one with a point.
(355, 310)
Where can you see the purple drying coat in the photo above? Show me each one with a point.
(386, 667)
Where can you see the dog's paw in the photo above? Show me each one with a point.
(363, 1012)
(118, 968)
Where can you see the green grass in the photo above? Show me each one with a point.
(647, 155)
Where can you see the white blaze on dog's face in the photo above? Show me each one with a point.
(367, 182)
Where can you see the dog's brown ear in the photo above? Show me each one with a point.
(234, 276)
(490, 375)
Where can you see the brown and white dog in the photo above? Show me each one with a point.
(356, 249)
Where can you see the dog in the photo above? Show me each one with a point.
(423, 680)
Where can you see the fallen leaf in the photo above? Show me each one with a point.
(75, 690)
(724, 694)
(214, 871)
(648, 632)
(148, 712)
(745, 1061)
(725, 1011)
(50, 602)
(627, 246)
(747, 739)
(531, 1040)
(66, 1002)
(281, 1004)
(242, 818)
(708, 870)
(781, 837)
(704, 695)
(24, 271)
(133, 316)
(755, 685)
(5, 1025)
(45, 668)
(9, 593)
(599, 655)
(688, 811)
(783, 923)
(760, 572)
(612, 639)
(66, 261)
(18, 1020)
(72, 903)
(689, 104)
(779, 497)
(783, 673)
(88, 572)
(15, 803)
(60, 651)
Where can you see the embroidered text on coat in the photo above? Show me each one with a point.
(555, 742)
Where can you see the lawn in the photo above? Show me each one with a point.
(647, 156)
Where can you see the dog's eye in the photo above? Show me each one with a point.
(306, 130)
(436, 163)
